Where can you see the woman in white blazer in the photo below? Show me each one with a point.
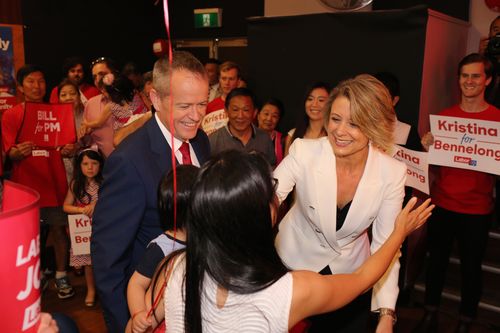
(345, 183)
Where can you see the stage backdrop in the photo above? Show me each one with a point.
(288, 53)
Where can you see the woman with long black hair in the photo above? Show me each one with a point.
(231, 279)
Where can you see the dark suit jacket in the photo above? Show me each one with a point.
(126, 216)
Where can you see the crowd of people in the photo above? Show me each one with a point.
(183, 172)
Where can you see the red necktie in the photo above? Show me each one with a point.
(186, 156)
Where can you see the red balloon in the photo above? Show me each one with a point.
(493, 5)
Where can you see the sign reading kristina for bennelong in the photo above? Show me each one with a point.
(465, 143)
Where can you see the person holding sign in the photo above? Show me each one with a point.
(40, 168)
(345, 184)
(464, 205)
(81, 199)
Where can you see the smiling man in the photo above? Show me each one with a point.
(240, 133)
(73, 70)
(126, 216)
(464, 205)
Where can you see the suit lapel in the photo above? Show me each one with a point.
(201, 146)
(366, 194)
(325, 186)
(159, 145)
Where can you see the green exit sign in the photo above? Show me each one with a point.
(208, 18)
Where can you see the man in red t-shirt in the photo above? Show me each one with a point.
(73, 69)
(464, 205)
(40, 169)
(216, 117)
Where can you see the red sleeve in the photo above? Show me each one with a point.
(54, 96)
(11, 123)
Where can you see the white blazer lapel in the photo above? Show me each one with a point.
(361, 214)
(325, 186)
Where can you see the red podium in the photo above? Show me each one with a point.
(20, 259)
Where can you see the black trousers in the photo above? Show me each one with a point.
(352, 318)
(471, 233)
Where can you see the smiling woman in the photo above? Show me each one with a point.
(350, 169)
(310, 123)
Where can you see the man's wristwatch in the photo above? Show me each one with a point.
(388, 312)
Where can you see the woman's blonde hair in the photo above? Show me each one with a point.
(371, 108)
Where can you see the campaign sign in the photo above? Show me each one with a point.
(7, 101)
(417, 172)
(465, 143)
(80, 229)
(7, 70)
(213, 121)
(20, 258)
(48, 125)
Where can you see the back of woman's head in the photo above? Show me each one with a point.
(186, 175)
(229, 229)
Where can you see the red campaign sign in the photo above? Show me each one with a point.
(7, 102)
(48, 125)
(20, 258)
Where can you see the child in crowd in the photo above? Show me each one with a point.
(81, 199)
(122, 102)
(68, 93)
(161, 246)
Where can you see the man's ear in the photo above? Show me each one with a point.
(255, 111)
(488, 81)
(20, 88)
(155, 99)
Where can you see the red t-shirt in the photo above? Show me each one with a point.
(215, 105)
(44, 173)
(460, 190)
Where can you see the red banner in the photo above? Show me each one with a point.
(48, 125)
(20, 258)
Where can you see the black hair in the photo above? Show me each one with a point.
(390, 81)
(239, 92)
(230, 229)
(186, 175)
(303, 119)
(66, 82)
(71, 62)
(131, 68)
(27, 70)
(104, 60)
(275, 102)
(121, 90)
(213, 61)
(475, 58)
(79, 183)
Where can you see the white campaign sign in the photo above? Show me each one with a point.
(417, 172)
(465, 143)
(80, 228)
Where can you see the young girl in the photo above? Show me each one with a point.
(81, 199)
(69, 93)
(123, 102)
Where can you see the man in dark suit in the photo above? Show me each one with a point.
(126, 216)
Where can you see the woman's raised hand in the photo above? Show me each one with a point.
(410, 219)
